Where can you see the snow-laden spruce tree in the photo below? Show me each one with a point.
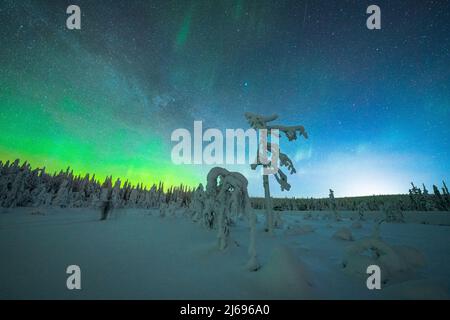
(115, 195)
(333, 205)
(105, 198)
(446, 195)
(198, 203)
(62, 196)
(41, 196)
(259, 122)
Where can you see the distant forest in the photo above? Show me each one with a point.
(417, 200)
(22, 186)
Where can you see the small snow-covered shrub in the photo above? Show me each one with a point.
(343, 234)
(37, 213)
(356, 225)
(298, 230)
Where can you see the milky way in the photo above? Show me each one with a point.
(104, 99)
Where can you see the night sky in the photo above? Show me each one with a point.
(105, 99)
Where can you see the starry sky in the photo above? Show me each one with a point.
(105, 99)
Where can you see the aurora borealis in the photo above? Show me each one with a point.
(104, 99)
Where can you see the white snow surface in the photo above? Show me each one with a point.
(137, 254)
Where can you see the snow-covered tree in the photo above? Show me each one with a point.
(116, 197)
(22, 186)
(333, 205)
(362, 208)
(62, 196)
(259, 122)
(392, 212)
(446, 196)
(222, 189)
(197, 204)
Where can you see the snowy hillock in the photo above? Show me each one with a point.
(286, 275)
(397, 262)
(298, 230)
(343, 234)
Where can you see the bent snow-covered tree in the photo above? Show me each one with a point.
(226, 196)
(259, 122)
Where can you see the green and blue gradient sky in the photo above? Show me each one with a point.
(105, 99)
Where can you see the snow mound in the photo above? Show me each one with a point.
(37, 213)
(299, 230)
(356, 225)
(285, 275)
(417, 290)
(411, 256)
(395, 262)
(343, 234)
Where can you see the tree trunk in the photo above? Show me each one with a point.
(268, 200)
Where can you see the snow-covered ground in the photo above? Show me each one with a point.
(139, 255)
